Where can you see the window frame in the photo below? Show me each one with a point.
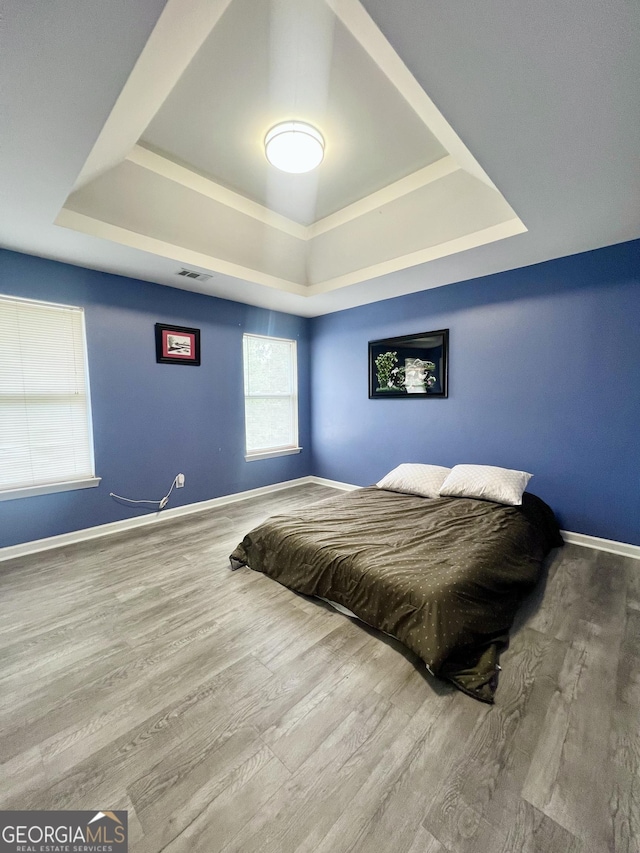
(90, 480)
(276, 450)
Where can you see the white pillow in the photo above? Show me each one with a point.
(412, 478)
(486, 482)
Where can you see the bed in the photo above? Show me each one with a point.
(443, 575)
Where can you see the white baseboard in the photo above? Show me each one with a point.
(334, 484)
(610, 545)
(12, 551)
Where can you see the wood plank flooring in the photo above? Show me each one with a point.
(228, 714)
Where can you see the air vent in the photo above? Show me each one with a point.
(198, 276)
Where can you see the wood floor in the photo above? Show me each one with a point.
(228, 714)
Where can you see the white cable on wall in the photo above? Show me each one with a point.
(161, 503)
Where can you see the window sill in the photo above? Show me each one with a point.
(49, 488)
(270, 454)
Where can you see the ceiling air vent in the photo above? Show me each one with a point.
(197, 276)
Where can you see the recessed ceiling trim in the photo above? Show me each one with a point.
(363, 28)
(440, 169)
(106, 231)
(181, 29)
(441, 250)
(166, 168)
(151, 82)
(172, 171)
(180, 32)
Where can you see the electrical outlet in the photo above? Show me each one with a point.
(179, 481)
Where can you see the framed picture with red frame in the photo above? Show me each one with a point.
(177, 344)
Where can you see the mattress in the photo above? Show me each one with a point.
(445, 576)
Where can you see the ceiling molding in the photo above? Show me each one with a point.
(181, 29)
(128, 213)
(106, 231)
(166, 168)
(363, 28)
(440, 169)
(441, 250)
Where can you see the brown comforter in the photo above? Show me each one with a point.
(444, 576)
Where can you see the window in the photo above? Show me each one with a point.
(46, 443)
(270, 396)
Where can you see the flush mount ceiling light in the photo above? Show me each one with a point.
(294, 146)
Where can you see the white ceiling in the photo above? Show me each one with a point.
(267, 62)
(546, 100)
(397, 186)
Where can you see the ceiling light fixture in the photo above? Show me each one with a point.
(294, 146)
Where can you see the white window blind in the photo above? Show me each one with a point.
(45, 418)
(270, 395)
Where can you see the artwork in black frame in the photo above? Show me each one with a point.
(411, 367)
(177, 344)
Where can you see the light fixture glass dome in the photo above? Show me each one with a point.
(294, 146)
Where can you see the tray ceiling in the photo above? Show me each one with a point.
(397, 186)
(264, 63)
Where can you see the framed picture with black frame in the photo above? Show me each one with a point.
(412, 367)
(177, 344)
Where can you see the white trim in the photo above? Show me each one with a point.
(270, 454)
(253, 453)
(49, 488)
(422, 256)
(427, 175)
(172, 171)
(93, 481)
(68, 218)
(76, 390)
(105, 230)
(365, 30)
(334, 484)
(624, 549)
(177, 36)
(36, 546)
(181, 29)
(4, 297)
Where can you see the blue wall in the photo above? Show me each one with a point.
(152, 421)
(544, 376)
